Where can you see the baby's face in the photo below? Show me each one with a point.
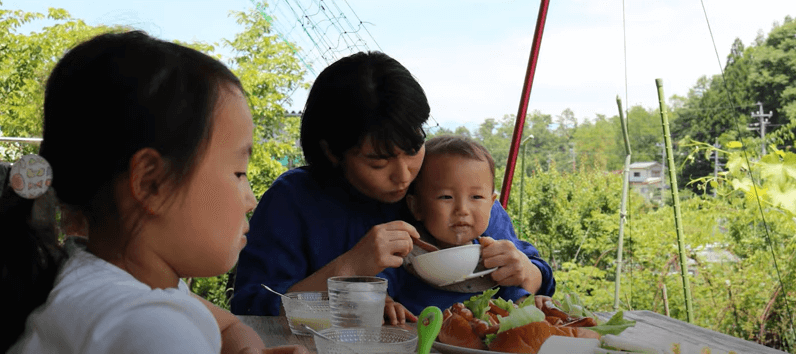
(453, 198)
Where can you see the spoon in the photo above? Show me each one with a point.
(311, 330)
(286, 298)
(428, 326)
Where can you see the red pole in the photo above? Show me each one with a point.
(526, 94)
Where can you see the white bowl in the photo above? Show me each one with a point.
(447, 265)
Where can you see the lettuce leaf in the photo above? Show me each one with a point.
(614, 326)
(573, 306)
(489, 338)
(503, 304)
(479, 304)
(528, 301)
(520, 317)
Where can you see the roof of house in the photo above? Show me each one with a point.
(647, 164)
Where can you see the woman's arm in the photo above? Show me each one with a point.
(383, 246)
(301, 235)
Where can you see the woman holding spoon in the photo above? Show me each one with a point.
(363, 140)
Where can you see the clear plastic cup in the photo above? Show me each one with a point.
(357, 301)
(309, 308)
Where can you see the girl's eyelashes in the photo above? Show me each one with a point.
(444, 197)
(241, 174)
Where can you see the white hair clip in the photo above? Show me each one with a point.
(31, 176)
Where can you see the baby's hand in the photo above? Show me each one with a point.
(397, 313)
(514, 267)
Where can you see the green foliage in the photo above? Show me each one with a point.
(265, 65)
(213, 289)
(573, 220)
(25, 63)
(269, 72)
(718, 107)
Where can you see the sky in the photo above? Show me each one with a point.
(471, 56)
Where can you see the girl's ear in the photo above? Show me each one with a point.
(494, 197)
(411, 202)
(328, 153)
(146, 173)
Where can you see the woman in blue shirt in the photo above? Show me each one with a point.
(363, 139)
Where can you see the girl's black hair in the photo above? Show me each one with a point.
(362, 95)
(106, 99)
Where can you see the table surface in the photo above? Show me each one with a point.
(651, 328)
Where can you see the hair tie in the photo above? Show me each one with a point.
(31, 176)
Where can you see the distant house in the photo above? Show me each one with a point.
(647, 179)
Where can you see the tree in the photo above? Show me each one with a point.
(719, 107)
(596, 141)
(269, 72)
(773, 79)
(25, 63)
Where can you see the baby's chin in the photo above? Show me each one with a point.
(455, 240)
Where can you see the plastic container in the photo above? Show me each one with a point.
(357, 301)
(310, 308)
(366, 340)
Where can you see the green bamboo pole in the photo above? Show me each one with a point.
(622, 208)
(667, 139)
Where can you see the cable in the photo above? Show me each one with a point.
(361, 23)
(751, 177)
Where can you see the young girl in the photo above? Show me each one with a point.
(150, 142)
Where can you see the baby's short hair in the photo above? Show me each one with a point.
(461, 146)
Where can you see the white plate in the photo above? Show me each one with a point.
(471, 276)
(554, 344)
(453, 349)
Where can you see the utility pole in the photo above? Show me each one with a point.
(763, 117)
(573, 156)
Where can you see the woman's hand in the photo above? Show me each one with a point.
(397, 313)
(384, 246)
(514, 267)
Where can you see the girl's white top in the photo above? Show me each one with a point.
(96, 307)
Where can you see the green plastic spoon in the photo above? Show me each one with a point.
(428, 326)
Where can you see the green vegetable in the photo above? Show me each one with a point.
(489, 338)
(520, 317)
(573, 306)
(479, 304)
(614, 326)
(528, 301)
(503, 304)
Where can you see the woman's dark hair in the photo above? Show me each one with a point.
(362, 95)
(106, 99)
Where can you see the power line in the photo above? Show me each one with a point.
(754, 183)
(320, 31)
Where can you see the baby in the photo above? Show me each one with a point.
(454, 192)
(453, 202)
